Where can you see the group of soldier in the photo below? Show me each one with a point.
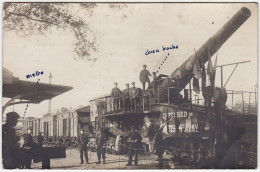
(134, 147)
(130, 97)
(14, 156)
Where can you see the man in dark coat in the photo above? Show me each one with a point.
(10, 146)
(144, 77)
(116, 95)
(159, 144)
(27, 150)
(101, 145)
(126, 97)
(83, 146)
(134, 146)
(134, 96)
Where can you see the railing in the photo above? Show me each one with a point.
(172, 95)
(243, 106)
(126, 104)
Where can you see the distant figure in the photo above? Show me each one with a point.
(126, 96)
(40, 139)
(144, 77)
(134, 146)
(159, 144)
(154, 76)
(82, 146)
(27, 150)
(133, 96)
(116, 94)
(101, 145)
(10, 146)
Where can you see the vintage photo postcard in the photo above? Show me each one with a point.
(129, 85)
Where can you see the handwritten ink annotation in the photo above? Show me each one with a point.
(163, 49)
(37, 73)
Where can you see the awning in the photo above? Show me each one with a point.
(32, 91)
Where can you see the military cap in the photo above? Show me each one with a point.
(144, 65)
(133, 83)
(12, 115)
(126, 84)
(115, 83)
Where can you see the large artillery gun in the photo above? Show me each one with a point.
(183, 74)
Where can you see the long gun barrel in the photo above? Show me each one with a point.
(209, 48)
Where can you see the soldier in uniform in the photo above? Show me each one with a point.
(27, 150)
(83, 146)
(10, 146)
(159, 144)
(134, 146)
(101, 145)
(116, 94)
(126, 97)
(133, 92)
(144, 77)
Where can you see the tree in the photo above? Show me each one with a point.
(248, 108)
(27, 18)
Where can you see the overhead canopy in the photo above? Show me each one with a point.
(32, 91)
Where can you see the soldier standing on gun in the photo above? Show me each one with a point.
(133, 92)
(144, 77)
(159, 144)
(116, 94)
(10, 146)
(83, 146)
(27, 150)
(101, 149)
(126, 97)
(135, 144)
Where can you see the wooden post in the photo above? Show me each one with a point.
(255, 100)
(150, 97)
(249, 103)
(232, 101)
(143, 103)
(243, 103)
(158, 94)
(178, 88)
(190, 96)
(221, 69)
(167, 119)
(168, 95)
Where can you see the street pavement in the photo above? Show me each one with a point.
(72, 161)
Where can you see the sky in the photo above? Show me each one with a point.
(123, 37)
